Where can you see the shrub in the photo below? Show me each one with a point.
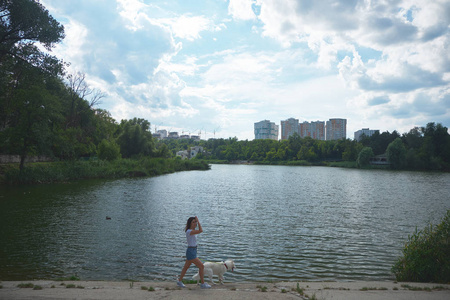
(364, 157)
(426, 255)
(108, 150)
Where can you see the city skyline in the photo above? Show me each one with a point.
(334, 129)
(216, 67)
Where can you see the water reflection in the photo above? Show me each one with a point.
(277, 223)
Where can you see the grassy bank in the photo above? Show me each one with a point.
(72, 170)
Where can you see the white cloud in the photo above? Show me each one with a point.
(377, 63)
(241, 9)
(187, 27)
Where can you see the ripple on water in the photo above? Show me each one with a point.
(277, 223)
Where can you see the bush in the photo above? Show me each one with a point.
(364, 157)
(426, 256)
(119, 168)
(108, 150)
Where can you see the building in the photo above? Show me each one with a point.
(289, 127)
(191, 153)
(315, 130)
(162, 133)
(304, 129)
(266, 130)
(336, 129)
(184, 154)
(173, 135)
(365, 131)
(195, 150)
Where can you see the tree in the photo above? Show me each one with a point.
(396, 154)
(33, 110)
(135, 138)
(79, 92)
(108, 150)
(24, 23)
(364, 157)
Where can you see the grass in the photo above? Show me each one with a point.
(299, 290)
(71, 278)
(64, 171)
(262, 288)
(373, 289)
(72, 286)
(343, 164)
(189, 281)
(427, 289)
(29, 286)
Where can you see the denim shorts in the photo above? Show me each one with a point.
(191, 253)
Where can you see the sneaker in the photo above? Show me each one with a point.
(205, 286)
(180, 284)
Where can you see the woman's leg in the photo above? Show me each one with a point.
(200, 267)
(186, 266)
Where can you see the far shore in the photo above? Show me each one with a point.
(115, 290)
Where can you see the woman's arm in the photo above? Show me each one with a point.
(199, 230)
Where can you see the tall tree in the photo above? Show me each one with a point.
(135, 138)
(396, 154)
(24, 23)
(34, 109)
(364, 157)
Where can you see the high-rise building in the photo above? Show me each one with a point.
(365, 131)
(317, 130)
(305, 129)
(289, 127)
(336, 129)
(266, 130)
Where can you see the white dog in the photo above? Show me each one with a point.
(216, 268)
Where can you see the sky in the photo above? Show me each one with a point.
(216, 67)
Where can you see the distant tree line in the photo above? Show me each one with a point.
(424, 148)
(44, 111)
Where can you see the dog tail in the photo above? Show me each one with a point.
(196, 276)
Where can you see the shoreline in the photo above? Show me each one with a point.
(115, 290)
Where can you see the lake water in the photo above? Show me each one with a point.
(276, 222)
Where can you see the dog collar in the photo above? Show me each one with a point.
(225, 265)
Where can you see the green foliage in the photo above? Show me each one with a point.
(108, 150)
(396, 154)
(23, 23)
(426, 255)
(364, 157)
(44, 115)
(119, 168)
(135, 138)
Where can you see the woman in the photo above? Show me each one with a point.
(191, 252)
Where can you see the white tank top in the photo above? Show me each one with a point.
(191, 239)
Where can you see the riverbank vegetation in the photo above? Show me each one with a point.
(424, 148)
(426, 255)
(47, 112)
(119, 168)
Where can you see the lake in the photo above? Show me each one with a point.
(276, 222)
